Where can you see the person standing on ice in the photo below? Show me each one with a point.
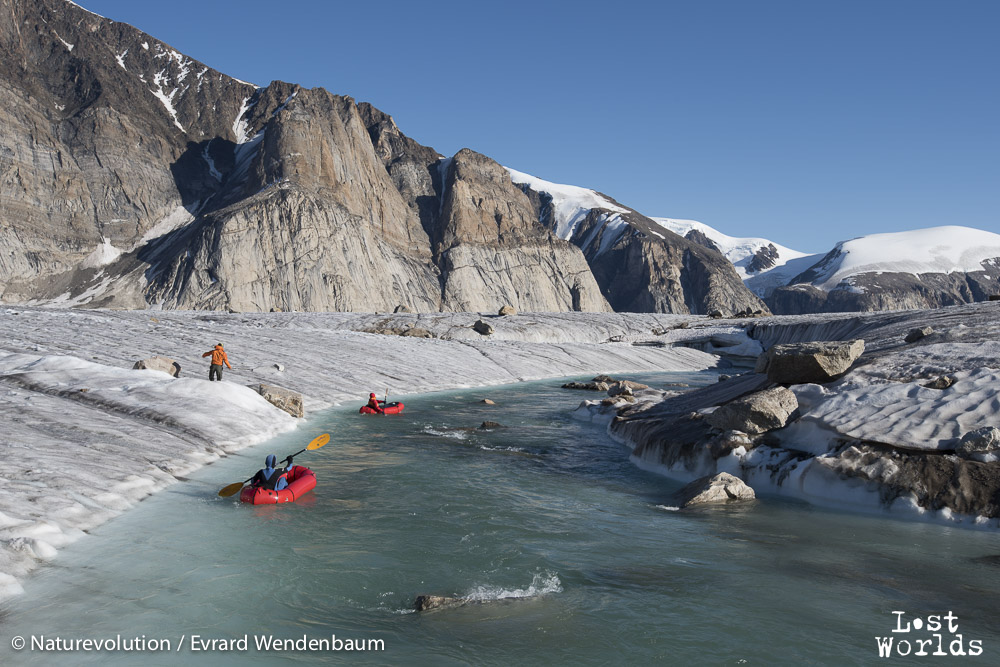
(270, 477)
(218, 358)
(374, 404)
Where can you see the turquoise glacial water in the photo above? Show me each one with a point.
(565, 547)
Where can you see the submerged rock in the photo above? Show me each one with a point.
(720, 488)
(428, 602)
(756, 413)
(159, 363)
(800, 363)
(587, 386)
(488, 425)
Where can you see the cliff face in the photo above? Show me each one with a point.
(132, 175)
(492, 249)
(639, 265)
(889, 291)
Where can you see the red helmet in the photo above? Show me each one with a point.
(371, 395)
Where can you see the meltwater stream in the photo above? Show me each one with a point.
(568, 551)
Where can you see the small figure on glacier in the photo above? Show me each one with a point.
(218, 358)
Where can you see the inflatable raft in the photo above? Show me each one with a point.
(301, 480)
(388, 408)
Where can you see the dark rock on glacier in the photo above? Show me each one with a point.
(917, 333)
(756, 413)
(158, 363)
(797, 363)
(983, 440)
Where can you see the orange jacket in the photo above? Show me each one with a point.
(218, 357)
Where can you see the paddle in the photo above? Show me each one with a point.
(317, 442)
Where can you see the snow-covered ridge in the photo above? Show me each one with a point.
(738, 250)
(947, 249)
(741, 251)
(570, 203)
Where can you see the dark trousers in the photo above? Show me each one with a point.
(215, 372)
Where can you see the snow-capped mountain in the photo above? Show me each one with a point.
(763, 265)
(639, 265)
(921, 268)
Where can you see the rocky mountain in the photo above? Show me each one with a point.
(640, 266)
(134, 176)
(763, 265)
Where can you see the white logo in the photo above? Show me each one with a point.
(935, 635)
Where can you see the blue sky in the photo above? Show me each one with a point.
(805, 122)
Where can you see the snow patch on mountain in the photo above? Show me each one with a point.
(103, 255)
(570, 204)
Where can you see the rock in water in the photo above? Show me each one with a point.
(756, 413)
(286, 399)
(158, 363)
(483, 328)
(819, 361)
(721, 488)
(402, 309)
(487, 401)
(588, 386)
(626, 387)
(428, 602)
(488, 425)
(507, 311)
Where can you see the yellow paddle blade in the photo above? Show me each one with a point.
(319, 441)
(232, 489)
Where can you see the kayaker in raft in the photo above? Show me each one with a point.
(218, 358)
(373, 403)
(270, 477)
